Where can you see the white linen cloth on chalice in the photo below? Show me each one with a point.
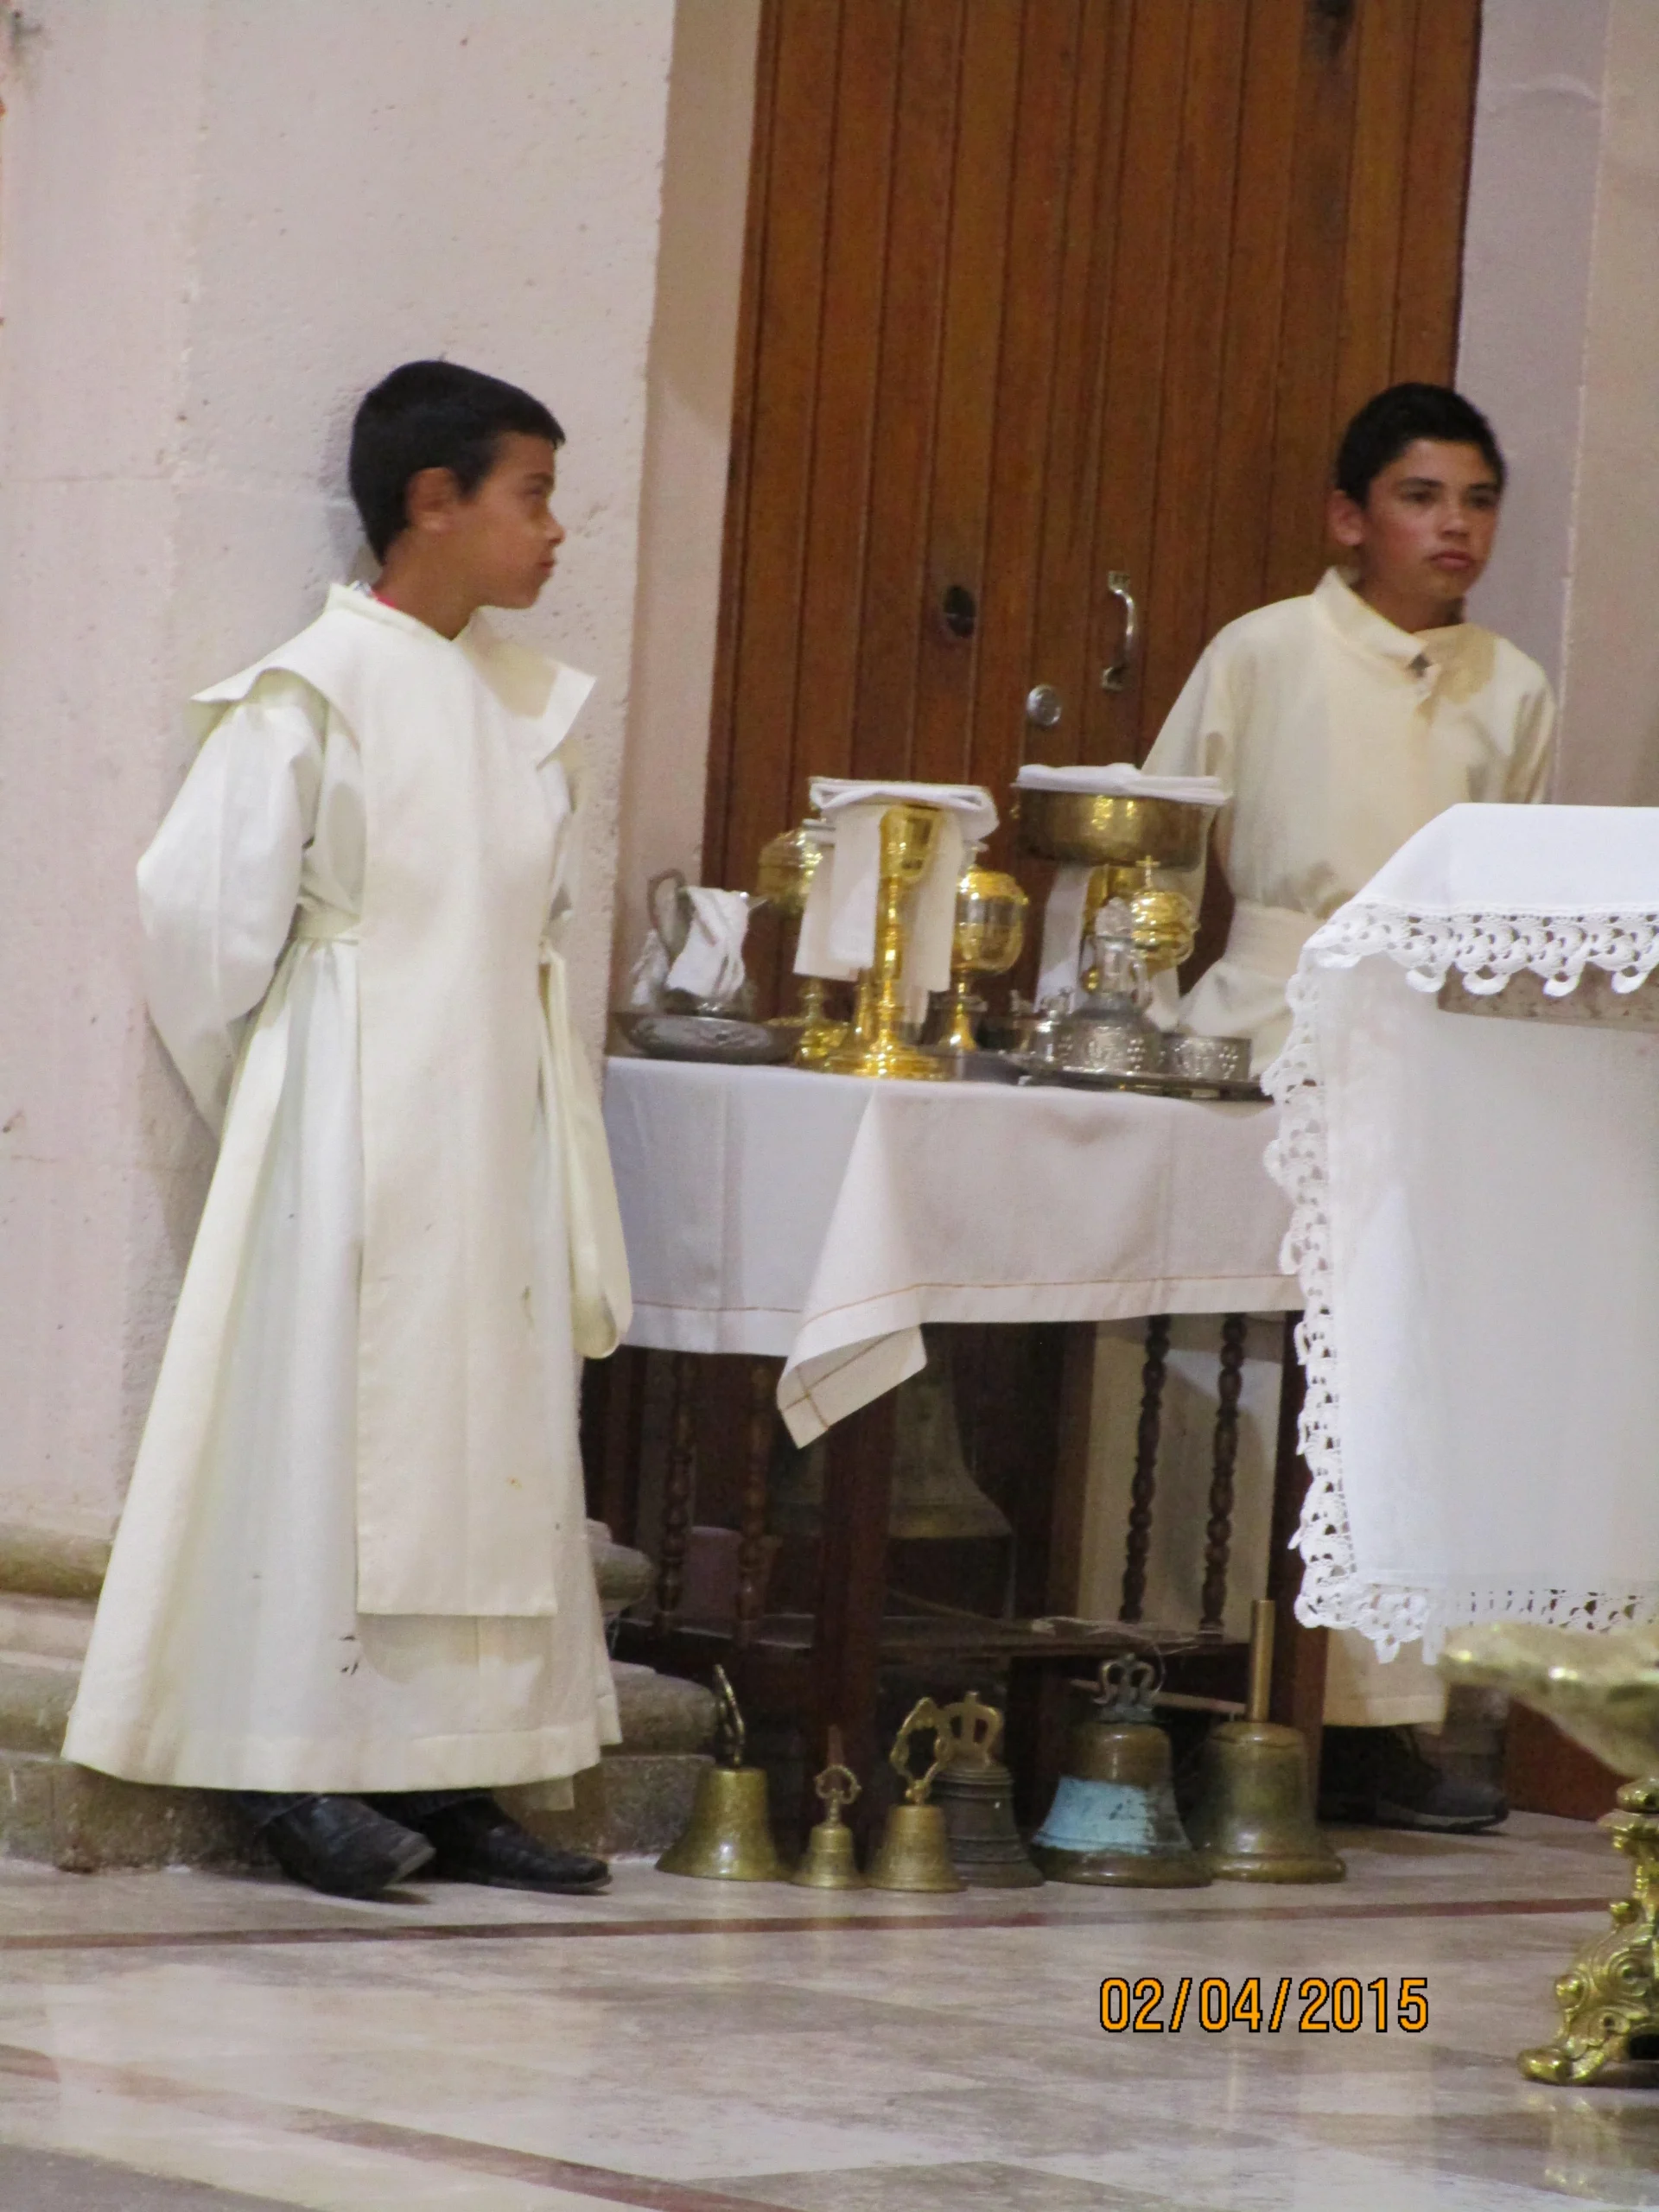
(353, 1555)
(1476, 1225)
(838, 938)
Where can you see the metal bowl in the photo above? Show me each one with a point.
(714, 1037)
(1210, 1059)
(1092, 830)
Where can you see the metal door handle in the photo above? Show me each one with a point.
(1116, 677)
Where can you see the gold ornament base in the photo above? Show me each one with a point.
(884, 1056)
(1609, 1995)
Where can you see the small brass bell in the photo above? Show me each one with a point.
(975, 1794)
(1254, 1820)
(914, 1852)
(829, 1863)
(728, 1836)
(1113, 1820)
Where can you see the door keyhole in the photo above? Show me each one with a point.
(960, 610)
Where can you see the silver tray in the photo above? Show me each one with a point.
(712, 1036)
(1151, 1086)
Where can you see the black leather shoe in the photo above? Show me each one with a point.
(342, 1846)
(1379, 1778)
(476, 1841)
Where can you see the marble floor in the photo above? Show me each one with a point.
(180, 2040)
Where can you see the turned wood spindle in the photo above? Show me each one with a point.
(677, 1485)
(752, 1512)
(1219, 1533)
(1144, 1486)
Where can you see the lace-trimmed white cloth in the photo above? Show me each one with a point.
(1475, 1223)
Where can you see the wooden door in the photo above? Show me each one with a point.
(1036, 292)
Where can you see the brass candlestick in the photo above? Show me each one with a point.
(988, 937)
(876, 1047)
(783, 878)
(1602, 1691)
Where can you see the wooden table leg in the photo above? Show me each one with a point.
(1218, 1533)
(752, 1509)
(1299, 1653)
(853, 1586)
(677, 1486)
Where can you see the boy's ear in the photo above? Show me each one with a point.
(1345, 519)
(430, 499)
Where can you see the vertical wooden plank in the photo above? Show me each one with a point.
(734, 548)
(1174, 591)
(782, 435)
(912, 317)
(1060, 653)
(1024, 381)
(830, 610)
(1376, 179)
(1437, 190)
(1244, 434)
(959, 491)
(1137, 324)
(1314, 266)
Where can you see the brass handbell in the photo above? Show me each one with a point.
(975, 1794)
(1113, 1820)
(1253, 1820)
(914, 1852)
(829, 1862)
(728, 1836)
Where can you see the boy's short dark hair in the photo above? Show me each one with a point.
(432, 415)
(1396, 418)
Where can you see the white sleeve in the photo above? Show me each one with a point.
(1199, 735)
(1534, 747)
(218, 889)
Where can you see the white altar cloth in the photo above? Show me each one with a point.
(822, 1219)
(1476, 1222)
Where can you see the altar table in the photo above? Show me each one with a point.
(821, 1220)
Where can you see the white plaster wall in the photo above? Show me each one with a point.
(220, 220)
(1526, 282)
(1611, 752)
(688, 448)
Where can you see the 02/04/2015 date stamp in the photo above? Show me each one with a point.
(1315, 2004)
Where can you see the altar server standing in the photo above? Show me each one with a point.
(351, 1581)
(1341, 722)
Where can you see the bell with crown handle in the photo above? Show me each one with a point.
(728, 1836)
(914, 1852)
(975, 1794)
(1254, 1820)
(1114, 1821)
(829, 1862)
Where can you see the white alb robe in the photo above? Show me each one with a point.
(235, 1645)
(1339, 736)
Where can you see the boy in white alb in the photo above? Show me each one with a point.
(352, 1582)
(1341, 723)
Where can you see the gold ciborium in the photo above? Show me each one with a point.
(1149, 851)
(988, 937)
(876, 1046)
(783, 878)
(1602, 1691)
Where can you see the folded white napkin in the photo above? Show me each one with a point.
(710, 965)
(837, 937)
(1119, 780)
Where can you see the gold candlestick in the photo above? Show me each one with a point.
(875, 1047)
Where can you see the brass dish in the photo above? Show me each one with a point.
(1094, 829)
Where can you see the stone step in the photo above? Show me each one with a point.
(635, 1802)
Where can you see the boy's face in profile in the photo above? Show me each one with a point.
(497, 544)
(1424, 533)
